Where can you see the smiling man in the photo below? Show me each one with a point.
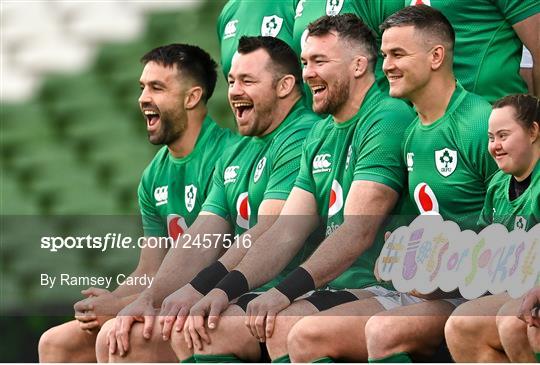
(250, 186)
(450, 165)
(350, 180)
(176, 83)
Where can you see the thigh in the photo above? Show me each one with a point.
(421, 324)
(484, 306)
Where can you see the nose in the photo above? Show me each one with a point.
(144, 97)
(388, 64)
(495, 145)
(308, 72)
(235, 89)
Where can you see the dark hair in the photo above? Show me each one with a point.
(349, 28)
(191, 61)
(284, 60)
(426, 19)
(526, 108)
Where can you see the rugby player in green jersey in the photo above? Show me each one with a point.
(249, 188)
(473, 333)
(350, 180)
(253, 18)
(449, 167)
(176, 83)
(489, 39)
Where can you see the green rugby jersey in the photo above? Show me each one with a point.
(260, 168)
(172, 190)
(253, 18)
(372, 13)
(366, 147)
(488, 50)
(520, 213)
(448, 161)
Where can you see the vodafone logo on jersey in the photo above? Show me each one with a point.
(336, 199)
(243, 211)
(420, 2)
(425, 199)
(176, 225)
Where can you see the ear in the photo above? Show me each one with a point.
(285, 86)
(360, 66)
(438, 54)
(534, 132)
(193, 97)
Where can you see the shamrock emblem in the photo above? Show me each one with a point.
(446, 158)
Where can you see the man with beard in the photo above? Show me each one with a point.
(350, 180)
(176, 83)
(371, 12)
(249, 189)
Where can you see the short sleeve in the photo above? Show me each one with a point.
(153, 225)
(216, 201)
(284, 170)
(378, 152)
(304, 180)
(515, 11)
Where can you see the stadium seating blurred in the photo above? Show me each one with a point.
(73, 141)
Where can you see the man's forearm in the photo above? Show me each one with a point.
(237, 252)
(275, 248)
(181, 264)
(341, 249)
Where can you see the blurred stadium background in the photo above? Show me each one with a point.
(73, 142)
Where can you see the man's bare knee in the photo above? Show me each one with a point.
(179, 345)
(379, 332)
(277, 344)
(232, 337)
(305, 342)
(67, 343)
(102, 344)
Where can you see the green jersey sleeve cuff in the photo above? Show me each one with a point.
(304, 185)
(395, 185)
(278, 195)
(531, 10)
(153, 232)
(211, 208)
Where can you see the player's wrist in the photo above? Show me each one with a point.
(209, 277)
(297, 283)
(234, 284)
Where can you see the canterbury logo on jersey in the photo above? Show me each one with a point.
(321, 163)
(161, 194)
(271, 25)
(410, 161)
(190, 197)
(176, 226)
(299, 9)
(243, 211)
(230, 174)
(230, 29)
(420, 2)
(333, 7)
(425, 199)
(335, 203)
(349, 154)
